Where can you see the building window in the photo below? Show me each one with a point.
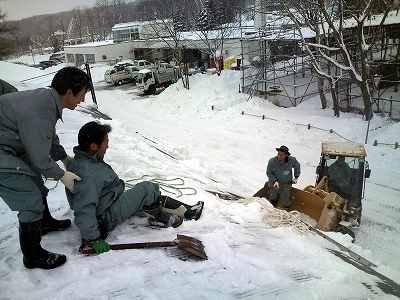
(104, 57)
(126, 34)
(70, 58)
(90, 59)
(79, 59)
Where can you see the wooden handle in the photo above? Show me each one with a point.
(143, 245)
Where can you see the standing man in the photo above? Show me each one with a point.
(29, 149)
(280, 177)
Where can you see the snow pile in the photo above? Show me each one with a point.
(205, 91)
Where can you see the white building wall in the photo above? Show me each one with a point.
(108, 52)
(104, 53)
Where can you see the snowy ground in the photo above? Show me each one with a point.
(31, 60)
(215, 149)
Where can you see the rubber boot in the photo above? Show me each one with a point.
(34, 256)
(189, 212)
(160, 218)
(50, 224)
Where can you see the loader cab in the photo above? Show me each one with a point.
(346, 169)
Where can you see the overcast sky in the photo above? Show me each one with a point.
(19, 9)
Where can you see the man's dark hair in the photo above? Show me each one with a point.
(92, 132)
(70, 78)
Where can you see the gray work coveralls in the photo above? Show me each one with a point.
(281, 172)
(100, 201)
(29, 149)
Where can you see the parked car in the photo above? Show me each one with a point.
(58, 56)
(121, 74)
(143, 64)
(124, 63)
(47, 64)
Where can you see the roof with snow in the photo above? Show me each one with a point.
(122, 26)
(92, 44)
(344, 148)
(392, 18)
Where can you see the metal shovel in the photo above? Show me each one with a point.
(188, 244)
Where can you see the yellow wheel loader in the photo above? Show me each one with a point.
(338, 190)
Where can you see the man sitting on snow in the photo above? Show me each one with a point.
(280, 177)
(100, 201)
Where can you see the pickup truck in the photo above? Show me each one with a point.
(120, 74)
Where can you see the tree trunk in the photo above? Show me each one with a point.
(217, 66)
(366, 95)
(335, 99)
(322, 96)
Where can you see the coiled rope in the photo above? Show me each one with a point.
(173, 186)
(280, 218)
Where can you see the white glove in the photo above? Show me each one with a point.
(69, 180)
(66, 161)
(276, 185)
(294, 180)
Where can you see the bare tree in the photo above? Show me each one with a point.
(212, 26)
(7, 45)
(168, 26)
(104, 16)
(330, 21)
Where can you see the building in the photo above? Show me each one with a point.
(151, 41)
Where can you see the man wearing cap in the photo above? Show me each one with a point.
(280, 177)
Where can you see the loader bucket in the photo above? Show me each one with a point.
(307, 202)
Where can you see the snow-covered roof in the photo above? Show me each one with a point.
(392, 18)
(344, 148)
(12, 72)
(145, 71)
(92, 44)
(122, 26)
(291, 34)
(233, 31)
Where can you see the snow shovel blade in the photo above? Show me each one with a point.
(192, 246)
(187, 244)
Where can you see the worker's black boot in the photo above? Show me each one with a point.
(189, 212)
(50, 224)
(160, 218)
(34, 256)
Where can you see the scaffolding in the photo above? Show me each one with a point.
(274, 66)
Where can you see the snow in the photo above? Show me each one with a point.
(92, 44)
(215, 149)
(29, 60)
(14, 72)
(393, 17)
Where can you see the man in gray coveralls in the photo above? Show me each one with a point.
(29, 149)
(100, 201)
(280, 176)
